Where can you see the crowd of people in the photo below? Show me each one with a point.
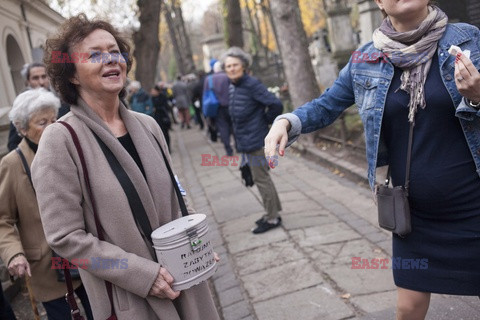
(244, 112)
(104, 111)
(118, 131)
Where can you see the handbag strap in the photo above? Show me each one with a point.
(25, 165)
(181, 202)
(409, 158)
(74, 310)
(68, 278)
(133, 198)
(210, 82)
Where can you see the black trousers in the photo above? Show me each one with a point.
(6, 311)
(59, 309)
(198, 117)
(212, 129)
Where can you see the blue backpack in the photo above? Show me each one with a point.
(210, 101)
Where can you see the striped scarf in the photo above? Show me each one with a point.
(412, 51)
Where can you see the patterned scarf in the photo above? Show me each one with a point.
(412, 51)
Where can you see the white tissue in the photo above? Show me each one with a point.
(454, 50)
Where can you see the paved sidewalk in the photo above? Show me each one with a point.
(303, 269)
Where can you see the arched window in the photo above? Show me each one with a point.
(15, 62)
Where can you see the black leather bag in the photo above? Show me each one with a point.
(393, 209)
(247, 175)
(392, 203)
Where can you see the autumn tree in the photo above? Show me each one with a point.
(313, 15)
(293, 46)
(233, 22)
(179, 36)
(146, 42)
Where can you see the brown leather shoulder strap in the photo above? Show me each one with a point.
(76, 142)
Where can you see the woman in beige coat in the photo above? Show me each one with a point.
(93, 85)
(23, 246)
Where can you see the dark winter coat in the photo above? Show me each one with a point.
(252, 109)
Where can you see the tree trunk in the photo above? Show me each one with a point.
(254, 32)
(234, 23)
(173, 38)
(146, 42)
(268, 12)
(179, 37)
(185, 40)
(294, 50)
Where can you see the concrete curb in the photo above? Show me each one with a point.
(350, 171)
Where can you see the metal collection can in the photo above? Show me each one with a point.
(184, 247)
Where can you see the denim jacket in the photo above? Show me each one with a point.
(365, 81)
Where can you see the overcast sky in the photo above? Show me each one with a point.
(192, 9)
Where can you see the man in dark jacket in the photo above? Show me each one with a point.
(160, 107)
(252, 109)
(35, 77)
(197, 94)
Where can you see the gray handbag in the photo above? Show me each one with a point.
(392, 203)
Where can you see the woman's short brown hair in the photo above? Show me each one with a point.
(72, 32)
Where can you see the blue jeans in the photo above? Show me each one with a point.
(59, 309)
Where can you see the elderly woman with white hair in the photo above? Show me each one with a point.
(23, 246)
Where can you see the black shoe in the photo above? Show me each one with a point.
(260, 221)
(265, 226)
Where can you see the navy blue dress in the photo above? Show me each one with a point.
(442, 254)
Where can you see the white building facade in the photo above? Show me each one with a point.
(24, 27)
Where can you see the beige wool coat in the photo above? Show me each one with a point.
(67, 216)
(21, 229)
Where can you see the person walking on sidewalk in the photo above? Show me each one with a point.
(182, 100)
(139, 100)
(252, 109)
(211, 121)
(196, 88)
(23, 245)
(220, 86)
(407, 74)
(125, 152)
(160, 110)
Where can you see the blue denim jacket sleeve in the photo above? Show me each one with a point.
(322, 111)
(465, 112)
